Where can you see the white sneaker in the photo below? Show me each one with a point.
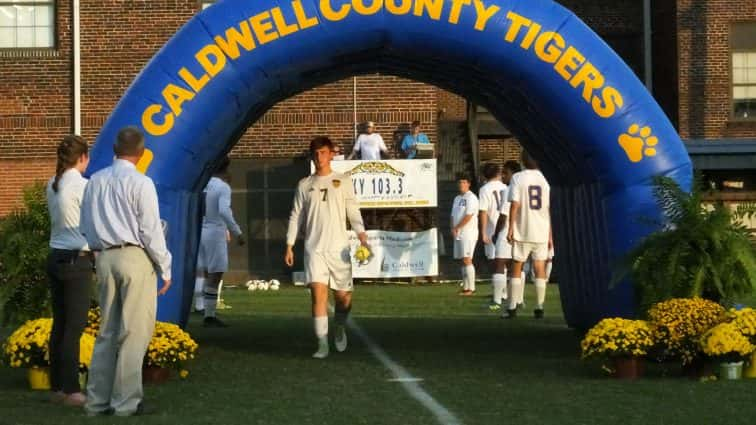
(323, 349)
(340, 339)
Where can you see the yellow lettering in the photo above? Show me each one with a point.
(302, 19)
(456, 10)
(569, 61)
(433, 7)
(211, 66)
(174, 96)
(484, 14)
(401, 9)
(194, 83)
(546, 50)
(362, 9)
(283, 28)
(612, 100)
(591, 79)
(518, 21)
(332, 15)
(230, 44)
(149, 124)
(144, 162)
(263, 28)
(530, 36)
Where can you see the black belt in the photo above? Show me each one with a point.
(125, 245)
(75, 252)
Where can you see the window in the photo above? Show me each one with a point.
(27, 24)
(743, 46)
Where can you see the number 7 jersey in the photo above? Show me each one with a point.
(322, 205)
(531, 190)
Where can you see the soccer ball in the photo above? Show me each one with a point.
(262, 286)
(274, 285)
(251, 285)
(362, 254)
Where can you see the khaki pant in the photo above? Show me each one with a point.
(128, 299)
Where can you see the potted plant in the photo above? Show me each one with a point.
(169, 348)
(745, 321)
(726, 344)
(28, 347)
(679, 324)
(702, 251)
(624, 342)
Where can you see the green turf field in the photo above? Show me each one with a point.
(481, 369)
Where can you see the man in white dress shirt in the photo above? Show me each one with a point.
(213, 249)
(121, 221)
(323, 203)
(464, 225)
(369, 145)
(529, 230)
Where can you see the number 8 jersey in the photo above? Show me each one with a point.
(322, 204)
(531, 190)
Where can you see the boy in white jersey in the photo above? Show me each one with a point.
(492, 195)
(212, 259)
(529, 230)
(464, 225)
(322, 204)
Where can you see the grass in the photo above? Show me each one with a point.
(483, 369)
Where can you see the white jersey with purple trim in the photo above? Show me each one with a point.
(465, 205)
(493, 196)
(530, 189)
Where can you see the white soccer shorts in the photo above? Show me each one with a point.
(522, 250)
(501, 249)
(331, 268)
(464, 248)
(213, 250)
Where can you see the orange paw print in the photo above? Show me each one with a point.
(638, 143)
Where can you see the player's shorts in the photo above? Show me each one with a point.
(500, 249)
(213, 250)
(522, 250)
(332, 268)
(464, 248)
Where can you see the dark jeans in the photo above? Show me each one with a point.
(70, 285)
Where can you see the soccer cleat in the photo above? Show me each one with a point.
(213, 322)
(510, 314)
(494, 307)
(467, 293)
(323, 349)
(340, 339)
(538, 313)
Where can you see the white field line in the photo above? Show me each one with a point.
(403, 377)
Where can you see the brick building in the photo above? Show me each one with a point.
(700, 64)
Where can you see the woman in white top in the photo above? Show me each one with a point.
(70, 269)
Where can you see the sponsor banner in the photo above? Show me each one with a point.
(392, 183)
(397, 254)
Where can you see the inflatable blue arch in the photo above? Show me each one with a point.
(573, 103)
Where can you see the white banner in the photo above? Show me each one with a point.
(392, 183)
(397, 254)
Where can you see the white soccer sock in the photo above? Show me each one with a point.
(514, 294)
(499, 287)
(199, 300)
(470, 274)
(211, 299)
(540, 285)
(463, 270)
(548, 270)
(321, 326)
(521, 290)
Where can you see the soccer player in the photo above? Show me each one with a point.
(529, 230)
(213, 250)
(492, 196)
(464, 224)
(502, 248)
(323, 203)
